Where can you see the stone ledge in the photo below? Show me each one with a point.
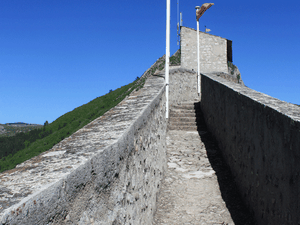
(283, 107)
(192, 29)
(175, 69)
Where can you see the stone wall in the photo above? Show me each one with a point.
(213, 51)
(259, 137)
(183, 86)
(108, 172)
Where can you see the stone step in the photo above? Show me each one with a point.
(175, 123)
(182, 111)
(184, 107)
(184, 124)
(185, 115)
(188, 103)
(182, 119)
(188, 107)
(184, 127)
(192, 113)
(188, 128)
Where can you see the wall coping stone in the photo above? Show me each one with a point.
(204, 33)
(176, 69)
(282, 107)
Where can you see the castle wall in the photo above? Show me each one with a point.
(183, 86)
(108, 172)
(213, 51)
(259, 138)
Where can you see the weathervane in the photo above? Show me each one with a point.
(207, 30)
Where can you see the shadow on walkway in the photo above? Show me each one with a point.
(240, 214)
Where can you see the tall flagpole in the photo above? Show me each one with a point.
(198, 55)
(199, 13)
(167, 57)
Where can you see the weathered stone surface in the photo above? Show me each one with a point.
(230, 77)
(183, 86)
(259, 138)
(233, 75)
(191, 191)
(108, 172)
(182, 117)
(198, 180)
(213, 51)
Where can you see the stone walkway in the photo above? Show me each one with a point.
(190, 192)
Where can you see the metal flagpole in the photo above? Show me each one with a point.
(198, 54)
(199, 13)
(167, 57)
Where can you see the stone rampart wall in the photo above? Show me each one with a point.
(259, 138)
(213, 51)
(108, 172)
(183, 86)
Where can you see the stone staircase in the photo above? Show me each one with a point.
(198, 187)
(186, 116)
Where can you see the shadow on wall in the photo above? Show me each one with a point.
(239, 212)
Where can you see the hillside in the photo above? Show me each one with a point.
(23, 146)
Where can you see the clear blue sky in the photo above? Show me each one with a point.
(57, 55)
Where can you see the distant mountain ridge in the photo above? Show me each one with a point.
(22, 124)
(11, 129)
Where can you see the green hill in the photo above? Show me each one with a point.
(23, 146)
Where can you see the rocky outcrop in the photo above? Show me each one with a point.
(2, 130)
(233, 74)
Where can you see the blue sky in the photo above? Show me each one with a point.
(60, 54)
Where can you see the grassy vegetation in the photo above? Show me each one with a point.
(175, 60)
(238, 77)
(232, 66)
(35, 142)
(27, 145)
